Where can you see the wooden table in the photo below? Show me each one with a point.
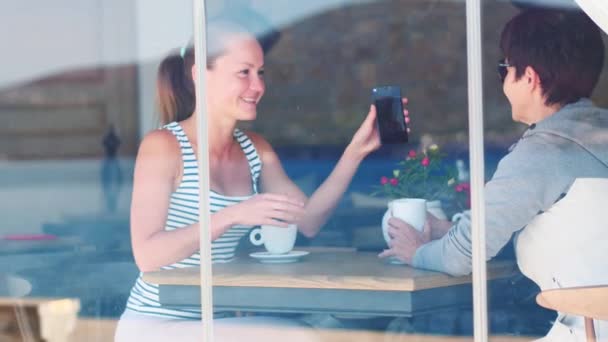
(337, 282)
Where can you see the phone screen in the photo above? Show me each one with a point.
(389, 114)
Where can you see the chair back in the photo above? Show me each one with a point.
(591, 302)
(566, 245)
(587, 301)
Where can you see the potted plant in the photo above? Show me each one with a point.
(421, 175)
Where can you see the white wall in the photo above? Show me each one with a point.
(42, 38)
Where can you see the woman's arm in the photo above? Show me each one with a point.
(157, 172)
(324, 200)
(157, 167)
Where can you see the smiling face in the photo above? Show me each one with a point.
(235, 82)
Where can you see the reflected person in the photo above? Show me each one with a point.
(249, 185)
(552, 62)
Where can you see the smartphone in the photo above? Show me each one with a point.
(389, 114)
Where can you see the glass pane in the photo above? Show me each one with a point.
(542, 181)
(319, 76)
(76, 95)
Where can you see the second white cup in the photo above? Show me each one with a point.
(410, 210)
(276, 240)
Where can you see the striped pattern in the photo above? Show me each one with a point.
(183, 211)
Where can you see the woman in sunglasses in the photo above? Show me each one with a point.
(552, 63)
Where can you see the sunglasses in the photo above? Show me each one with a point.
(502, 69)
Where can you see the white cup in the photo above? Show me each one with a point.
(410, 210)
(276, 240)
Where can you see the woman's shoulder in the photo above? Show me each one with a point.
(256, 138)
(160, 136)
(158, 157)
(261, 144)
(159, 141)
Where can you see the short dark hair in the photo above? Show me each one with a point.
(564, 47)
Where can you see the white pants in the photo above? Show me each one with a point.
(134, 326)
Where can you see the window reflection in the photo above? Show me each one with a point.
(322, 70)
(76, 109)
(71, 121)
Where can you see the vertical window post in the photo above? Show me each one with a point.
(475, 97)
(200, 49)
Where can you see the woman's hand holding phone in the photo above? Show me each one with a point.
(367, 137)
(392, 127)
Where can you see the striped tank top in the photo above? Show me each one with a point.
(183, 211)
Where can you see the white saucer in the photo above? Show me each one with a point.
(268, 258)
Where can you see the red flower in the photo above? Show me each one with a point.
(412, 154)
(383, 180)
(394, 181)
(464, 197)
(425, 161)
(462, 187)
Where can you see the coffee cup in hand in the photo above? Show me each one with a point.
(410, 210)
(276, 240)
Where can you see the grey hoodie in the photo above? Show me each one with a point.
(537, 172)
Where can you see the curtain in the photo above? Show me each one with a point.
(596, 10)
